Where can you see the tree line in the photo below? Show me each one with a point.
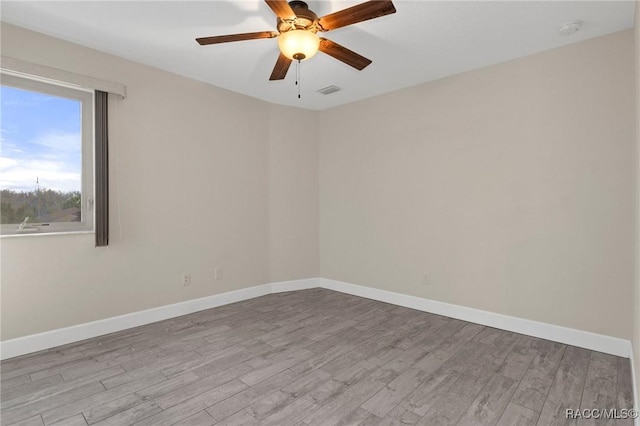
(36, 204)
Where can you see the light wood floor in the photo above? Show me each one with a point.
(312, 357)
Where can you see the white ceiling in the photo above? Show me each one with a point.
(423, 41)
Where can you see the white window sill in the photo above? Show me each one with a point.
(41, 234)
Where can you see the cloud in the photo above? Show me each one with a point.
(60, 143)
(32, 101)
(21, 175)
(54, 159)
(7, 163)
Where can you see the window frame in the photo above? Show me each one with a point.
(87, 119)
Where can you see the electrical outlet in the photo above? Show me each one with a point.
(217, 273)
(426, 278)
(186, 279)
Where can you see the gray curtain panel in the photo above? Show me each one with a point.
(102, 170)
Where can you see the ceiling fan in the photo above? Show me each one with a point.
(297, 28)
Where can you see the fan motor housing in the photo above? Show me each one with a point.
(305, 18)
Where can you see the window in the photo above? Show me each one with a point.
(46, 157)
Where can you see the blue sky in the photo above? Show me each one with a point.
(39, 138)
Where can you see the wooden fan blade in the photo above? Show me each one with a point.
(343, 54)
(358, 13)
(280, 69)
(236, 37)
(281, 8)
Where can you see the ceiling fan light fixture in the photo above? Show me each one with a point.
(298, 44)
(296, 32)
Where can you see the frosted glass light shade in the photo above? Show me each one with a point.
(298, 44)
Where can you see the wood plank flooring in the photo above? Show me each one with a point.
(311, 357)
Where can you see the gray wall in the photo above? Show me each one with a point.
(195, 173)
(512, 186)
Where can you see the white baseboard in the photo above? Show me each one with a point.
(62, 336)
(37, 342)
(556, 333)
(294, 285)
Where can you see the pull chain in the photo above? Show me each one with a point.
(298, 77)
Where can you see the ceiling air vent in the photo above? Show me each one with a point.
(570, 28)
(329, 90)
